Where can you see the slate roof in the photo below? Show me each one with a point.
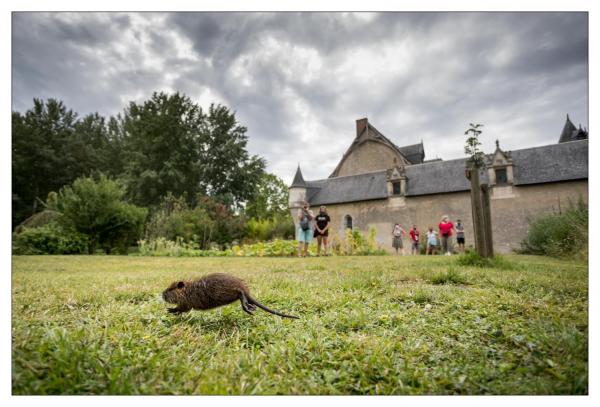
(438, 177)
(571, 133)
(414, 153)
(298, 179)
(351, 188)
(552, 163)
(556, 162)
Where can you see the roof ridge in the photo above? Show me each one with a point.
(346, 176)
(550, 145)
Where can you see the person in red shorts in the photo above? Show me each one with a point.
(414, 239)
(446, 227)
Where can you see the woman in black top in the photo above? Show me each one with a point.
(322, 230)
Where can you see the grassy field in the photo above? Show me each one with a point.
(369, 325)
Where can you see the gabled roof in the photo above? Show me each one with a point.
(298, 179)
(414, 154)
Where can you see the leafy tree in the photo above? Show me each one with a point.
(161, 141)
(227, 225)
(52, 147)
(98, 209)
(228, 172)
(476, 156)
(96, 146)
(270, 199)
(41, 139)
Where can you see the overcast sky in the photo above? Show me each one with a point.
(299, 81)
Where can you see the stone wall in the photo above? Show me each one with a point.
(512, 206)
(371, 156)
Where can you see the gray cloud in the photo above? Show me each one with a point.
(298, 81)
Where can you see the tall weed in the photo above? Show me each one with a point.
(559, 235)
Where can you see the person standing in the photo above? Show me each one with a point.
(322, 230)
(397, 234)
(305, 217)
(460, 235)
(431, 241)
(414, 239)
(446, 227)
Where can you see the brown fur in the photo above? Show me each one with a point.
(211, 291)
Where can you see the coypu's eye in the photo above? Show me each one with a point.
(180, 284)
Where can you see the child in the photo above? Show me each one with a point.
(431, 241)
(460, 236)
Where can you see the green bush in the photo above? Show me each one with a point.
(180, 248)
(174, 220)
(559, 235)
(278, 227)
(353, 242)
(49, 239)
(275, 248)
(97, 209)
(39, 219)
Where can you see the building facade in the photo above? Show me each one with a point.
(377, 184)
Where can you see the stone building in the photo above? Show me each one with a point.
(377, 184)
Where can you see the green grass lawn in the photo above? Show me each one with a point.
(369, 325)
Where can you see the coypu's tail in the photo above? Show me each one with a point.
(259, 305)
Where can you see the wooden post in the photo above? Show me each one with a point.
(477, 211)
(487, 221)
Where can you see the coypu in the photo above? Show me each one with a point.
(211, 291)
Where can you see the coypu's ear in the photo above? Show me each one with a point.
(180, 284)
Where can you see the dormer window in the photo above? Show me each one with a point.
(501, 177)
(396, 181)
(500, 167)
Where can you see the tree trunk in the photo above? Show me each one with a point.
(35, 200)
(487, 221)
(477, 211)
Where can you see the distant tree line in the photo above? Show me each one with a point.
(161, 168)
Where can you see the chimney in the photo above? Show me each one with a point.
(361, 125)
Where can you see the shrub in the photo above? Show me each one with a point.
(275, 248)
(174, 219)
(39, 219)
(51, 238)
(97, 209)
(559, 235)
(277, 227)
(354, 242)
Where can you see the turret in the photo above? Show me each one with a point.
(297, 190)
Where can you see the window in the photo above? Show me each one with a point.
(348, 221)
(501, 176)
(396, 188)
